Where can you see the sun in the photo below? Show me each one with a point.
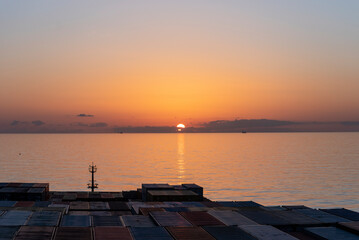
(181, 125)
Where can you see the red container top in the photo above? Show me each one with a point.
(187, 233)
(109, 233)
(146, 211)
(201, 219)
(78, 233)
(24, 204)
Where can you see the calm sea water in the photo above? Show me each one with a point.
(315, 169)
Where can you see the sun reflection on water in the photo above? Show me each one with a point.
(180, 155)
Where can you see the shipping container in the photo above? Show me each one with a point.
(194, 187)
(295, 218)
(70, 233)
(190, 204)
(274, 208)
(189, 233)
(27, 185)
(24, 204)
(112, 233)
(135, 206)
(18, 194)
(86, 213)
(99, 206)
(118, 196)
(150, 233)
(44, 218)
(264, 232)
(35, 233)
(14, 184)
(7, 203)
(147, 187)
(350, 226)
(42, 185)
(42, 203)
(198, 209)
(70, 197)
(94, 196)
(344, 213)
(8, 232)
(76, 221)
(107, 196)
(137, 221)
(321, 216)
(302, 236)
(2, 184)
(100, 213)
(211, 204)
(201, 219)
(176, 209)
(131, 195)
(264, 217)
(172, 195)
(15, 218)
(146, 211)
(331, 233)
(7, 193)
(226, 233)
(82, 196)
(170, 219)
(121, 213)
(79, 206)
(118, 206)
(64, 207)
(37, 194)
(106, 221)
(231, 218)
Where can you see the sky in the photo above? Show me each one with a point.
(159, 63)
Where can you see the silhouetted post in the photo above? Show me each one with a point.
(92, 170)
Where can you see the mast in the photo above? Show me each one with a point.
(92, 184)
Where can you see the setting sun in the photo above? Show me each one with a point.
(181, 125)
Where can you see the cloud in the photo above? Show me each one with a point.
(99, 124)
(350, 123)
(38, 123)
(14, 123)
(84, 115)
(245, 123)
(80, 124)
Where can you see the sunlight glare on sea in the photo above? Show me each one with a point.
(315, 169)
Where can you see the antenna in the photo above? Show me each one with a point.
(92, 184)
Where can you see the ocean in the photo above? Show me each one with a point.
(314, 169)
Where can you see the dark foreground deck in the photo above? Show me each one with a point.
(30, 211)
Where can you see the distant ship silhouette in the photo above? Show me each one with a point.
(118, 131)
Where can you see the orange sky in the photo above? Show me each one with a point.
(164, 63)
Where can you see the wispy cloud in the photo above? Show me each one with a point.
(350, 123)
(245, 123)
(84, 115)
(16, 122)
(37, 123)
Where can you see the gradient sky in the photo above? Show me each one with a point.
(164, 62)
